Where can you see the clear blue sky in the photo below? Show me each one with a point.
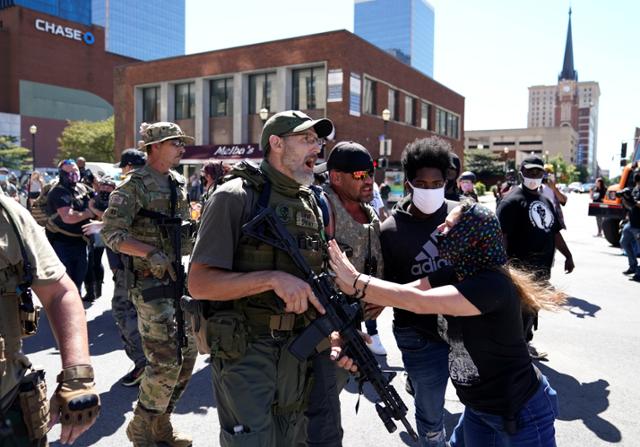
(489, 51)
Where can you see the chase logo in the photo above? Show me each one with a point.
(65, 31)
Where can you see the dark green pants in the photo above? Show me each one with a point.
(261, 397)
(13, 433)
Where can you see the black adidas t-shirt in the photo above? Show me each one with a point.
(489, 364)
(530, 224)
(410, 252)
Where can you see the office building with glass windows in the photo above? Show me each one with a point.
(403, 28)
(134, 29)
(223, 97)
(141, 30)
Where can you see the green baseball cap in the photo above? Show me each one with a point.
(161, 131)
(293, 121)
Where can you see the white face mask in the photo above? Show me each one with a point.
(531, 183)
(427, 200)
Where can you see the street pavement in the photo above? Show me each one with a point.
(591, 345)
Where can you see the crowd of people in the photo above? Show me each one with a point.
(465, 285)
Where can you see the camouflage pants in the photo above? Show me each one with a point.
(264, 392)
(126, 318)
(164, 378)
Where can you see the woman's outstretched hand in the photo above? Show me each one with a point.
(345, 272)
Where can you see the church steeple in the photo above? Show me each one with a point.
(568, 73)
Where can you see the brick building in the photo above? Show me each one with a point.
(217, 96)
(51, 70)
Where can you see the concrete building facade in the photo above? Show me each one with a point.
(513, 145)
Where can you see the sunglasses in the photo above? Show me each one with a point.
(361, 175)
(177, 143)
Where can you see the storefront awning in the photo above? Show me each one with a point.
(222, 152)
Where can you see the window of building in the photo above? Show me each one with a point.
(394, 104)
(409, 110)
(221, 97)
(309, 90)
(448, 124)
(260, 91)
(185, 101)
(424, 115)
(151, 104)
(370, 98)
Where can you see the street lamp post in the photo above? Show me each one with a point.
(506, 159)
(385, 149)
(33, 130)
(264, 114)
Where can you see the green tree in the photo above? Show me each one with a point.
(13, 156)
(93, 140)
(483, 163)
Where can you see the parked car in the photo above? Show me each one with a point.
(575, 186)
(562, 187)
(586, 187)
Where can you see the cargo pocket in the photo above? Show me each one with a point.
(34, 404)
(227, 335)
(244, 439)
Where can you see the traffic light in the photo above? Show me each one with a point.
(623, 154)
(375, 164)
(382, 163)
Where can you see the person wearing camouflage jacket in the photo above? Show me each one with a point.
(133, 227)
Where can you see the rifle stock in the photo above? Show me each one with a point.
(340, 316)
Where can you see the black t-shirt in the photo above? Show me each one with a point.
(59, 197)
(410, 252)
(530, 224)
(489, 363)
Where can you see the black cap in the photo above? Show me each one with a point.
(532, 162)
(347, 156)
(132, 157)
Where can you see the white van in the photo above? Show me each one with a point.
(101, 169)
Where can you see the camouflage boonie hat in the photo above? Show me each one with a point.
(161, 131)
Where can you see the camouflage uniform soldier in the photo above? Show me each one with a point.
(27, 259)
(132, 227)
(122, 309)
(257, 303)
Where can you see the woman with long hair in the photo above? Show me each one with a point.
(508, 402)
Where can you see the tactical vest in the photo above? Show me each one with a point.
(363, 239)
(155, 196)
(301, 216)
(13, 363)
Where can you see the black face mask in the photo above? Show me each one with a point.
(68, 178)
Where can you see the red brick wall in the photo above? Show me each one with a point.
(338, 49)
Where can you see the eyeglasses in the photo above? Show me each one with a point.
(308, 139)
(176, 143)
(361, 175)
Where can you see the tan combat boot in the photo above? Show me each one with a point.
(139, 429)
(162, 431)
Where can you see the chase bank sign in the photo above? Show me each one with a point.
(65, 31)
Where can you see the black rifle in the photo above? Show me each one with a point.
(173, 226)
(340, 316)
